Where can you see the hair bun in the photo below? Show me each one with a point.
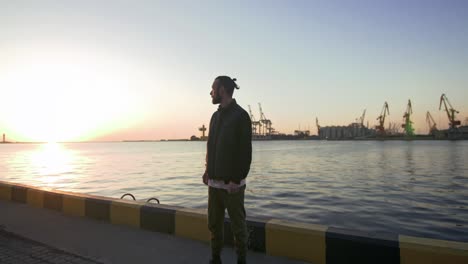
(235, 84)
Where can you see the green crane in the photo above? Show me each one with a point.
(408, 125)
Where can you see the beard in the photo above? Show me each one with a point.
(216, 99)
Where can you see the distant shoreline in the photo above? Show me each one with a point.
(260, 140)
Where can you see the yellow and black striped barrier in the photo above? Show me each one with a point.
(309, 242)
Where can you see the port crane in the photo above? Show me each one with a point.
(361, 119)
(450, 111)
(318, 126)
(408, 125)
(431, 123)
(255, 123)
(266, 122)
(380, 128)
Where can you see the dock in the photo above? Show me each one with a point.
(34, 235)
(61, 227)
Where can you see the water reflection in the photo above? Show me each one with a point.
(454, 156)
(415, 188)
(51, 163)
(409, 160)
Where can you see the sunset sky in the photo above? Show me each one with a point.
(114, 70)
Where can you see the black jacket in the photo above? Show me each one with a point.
(229, 147)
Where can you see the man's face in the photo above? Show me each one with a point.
(216, 92)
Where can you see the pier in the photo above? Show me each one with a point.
(33, 232)
(108, 230)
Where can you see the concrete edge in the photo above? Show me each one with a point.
(302, 241)
(296, 240)
(425, 250)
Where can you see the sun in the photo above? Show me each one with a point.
(56, 97)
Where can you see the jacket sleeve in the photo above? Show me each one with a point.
(245, 148)
(208, 142)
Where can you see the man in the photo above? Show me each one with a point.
(228, 158)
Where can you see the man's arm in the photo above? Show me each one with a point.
(245, 147)
(205, 174)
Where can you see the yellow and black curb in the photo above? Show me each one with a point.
(309, 242)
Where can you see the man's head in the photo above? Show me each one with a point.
(222, 89)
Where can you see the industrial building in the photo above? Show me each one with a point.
(353, 131)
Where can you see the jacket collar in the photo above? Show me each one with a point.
(228, 107)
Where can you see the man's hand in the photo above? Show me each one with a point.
(232, 187)
(205, 178)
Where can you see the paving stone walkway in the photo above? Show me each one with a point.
(15, 249)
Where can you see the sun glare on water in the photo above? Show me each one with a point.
(52, 163)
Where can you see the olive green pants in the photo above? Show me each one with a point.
(218, 201)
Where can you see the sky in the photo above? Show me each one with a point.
(130, 70)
